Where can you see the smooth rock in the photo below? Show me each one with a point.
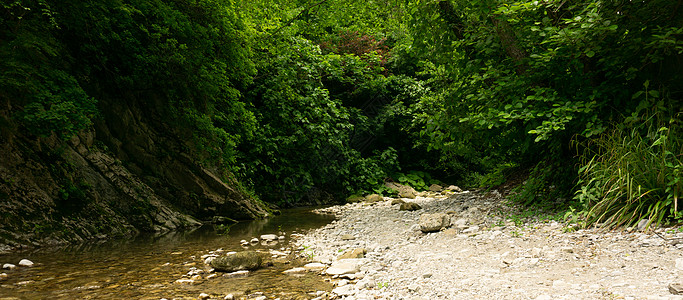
(355, 199)
(26, 263)
(269, 237)
(8, 266)
(295, 271)
(184, 281)
(254, 241)
(642, 224)
(315, 266)
(346, 290)
(246, 260)
(344, 266)
(433, 222)
(3, 276)
(410, 206)
(372, 198)
(454, 188)
(237, 274)
(229, 297)
(203, 296)
(342, 282)
(355, 253)
(397, 201)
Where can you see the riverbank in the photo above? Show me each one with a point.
(488, 252)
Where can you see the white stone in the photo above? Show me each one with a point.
(237, 274)
(344, 266)
(679, 263)
(294, 271)
(471, 229)
(269, 237)
(3, 276)
(203, 296)
(8, 266)
(346, 290)
(229, 297)
(315, 266)
(184, 281)
(26, 263)
(254, 241)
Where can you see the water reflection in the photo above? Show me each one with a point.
(147, 266)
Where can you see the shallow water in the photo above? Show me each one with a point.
(148, 266)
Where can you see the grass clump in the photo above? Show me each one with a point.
(633, 173)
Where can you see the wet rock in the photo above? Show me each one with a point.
(404, 191)
(229, 297)
(374, 198)
(8, 266)
(196, 277)
(246, 260)
(410, 206)
(237, 274)
(676, 288)
(397, 201)
(203, 296)
(355, 253)
(184, 281)
(433, 222)
(344, 266)
(295, 271)
(254, 241)
(435, 188)
(26, 263)
(3, 276)
(269, 237)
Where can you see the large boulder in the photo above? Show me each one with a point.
(404, 191)
(409, 206)
(433, 222)
(246, 260)
(374, 198)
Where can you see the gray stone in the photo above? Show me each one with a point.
(471, 229)
(433, 222)
(460, 224)
(435, 188)
(642, 225)
(246, 260)
(410, 206)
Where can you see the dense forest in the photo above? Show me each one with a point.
(576, 103)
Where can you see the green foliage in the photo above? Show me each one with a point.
(633, 173)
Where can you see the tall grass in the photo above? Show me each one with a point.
(633, 173)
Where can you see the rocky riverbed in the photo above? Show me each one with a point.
(484, 250)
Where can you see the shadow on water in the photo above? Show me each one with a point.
(147, 266)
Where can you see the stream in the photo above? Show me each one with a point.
(147, 266)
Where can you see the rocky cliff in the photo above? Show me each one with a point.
(129, 173)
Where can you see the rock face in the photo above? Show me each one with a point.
(247, 260)
(127, 174)
(433, 222)
(404, 191)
